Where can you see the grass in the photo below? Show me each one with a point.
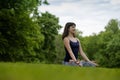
(29, 71)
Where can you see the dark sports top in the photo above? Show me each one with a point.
(75, 48)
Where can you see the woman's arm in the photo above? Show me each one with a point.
(67, 45)
(84, 55)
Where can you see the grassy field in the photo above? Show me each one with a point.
(24, 71)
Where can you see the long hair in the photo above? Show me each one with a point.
(66, 29)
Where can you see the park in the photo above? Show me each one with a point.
(31, 47)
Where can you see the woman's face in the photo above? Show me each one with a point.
(72, 29)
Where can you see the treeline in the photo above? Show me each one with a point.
(25, 34)
(104, 47)
(29, 36)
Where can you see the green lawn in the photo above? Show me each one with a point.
(24, 71)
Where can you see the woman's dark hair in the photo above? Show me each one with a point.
(66, 29)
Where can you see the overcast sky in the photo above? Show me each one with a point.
(90, 16)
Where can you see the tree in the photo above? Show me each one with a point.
(59, 46)
(20, 35)
(112, 26)
(108, 44)
(49, 28)
(113, 50)
(89, 44)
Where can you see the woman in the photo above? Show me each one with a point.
(73, 47)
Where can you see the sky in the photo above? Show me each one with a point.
(90, 16)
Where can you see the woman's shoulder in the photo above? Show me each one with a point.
(66, 38)
(77, 39)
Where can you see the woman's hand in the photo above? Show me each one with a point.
(93, 62)
(77, 62)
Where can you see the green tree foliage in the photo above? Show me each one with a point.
(49, 28)
(108, 45)
(104, 47)
(89, 45)
(112, 26)
(113, 51)
(60, 52)
(19, 35)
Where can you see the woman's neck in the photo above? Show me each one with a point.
(70, 35)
